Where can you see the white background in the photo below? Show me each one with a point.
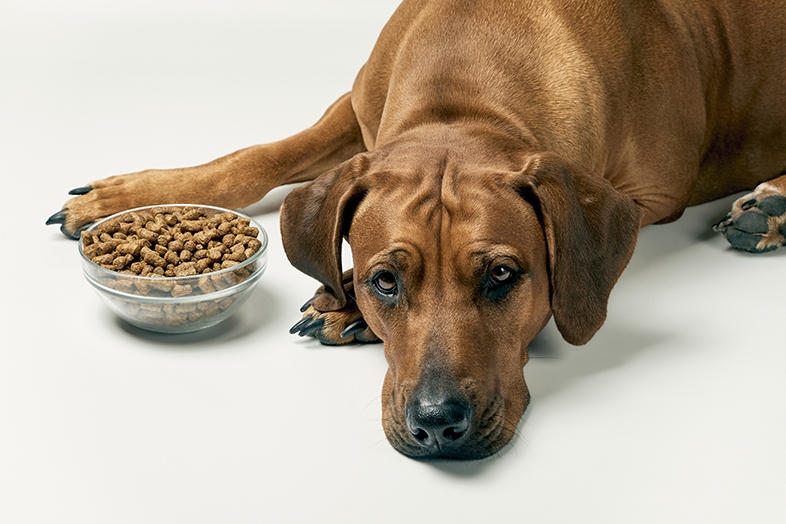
(674, 412)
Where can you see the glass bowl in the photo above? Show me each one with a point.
(176, 304)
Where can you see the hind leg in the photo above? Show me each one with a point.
(757, 222)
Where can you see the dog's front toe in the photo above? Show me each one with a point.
(61, 218)
(335, 328)
(757, 222)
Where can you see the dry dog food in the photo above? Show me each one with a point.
(166, 243)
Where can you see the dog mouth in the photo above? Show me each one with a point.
(453, 429)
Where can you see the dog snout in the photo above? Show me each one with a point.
(437, 425)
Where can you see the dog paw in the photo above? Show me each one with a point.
(70, 224)
(108, 196)
(334, 328)
(757, 222)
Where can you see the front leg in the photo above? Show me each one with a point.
(334, 328)
(234, 181)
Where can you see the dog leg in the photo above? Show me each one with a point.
(757, 222)
(234, 181)
(334, 328)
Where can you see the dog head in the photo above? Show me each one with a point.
(462, 251)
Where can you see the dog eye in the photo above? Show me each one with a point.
(385, 282)
(499, 282)
(501, 274)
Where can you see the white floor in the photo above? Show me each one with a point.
(673, 413)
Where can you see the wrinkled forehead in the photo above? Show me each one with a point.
(448, 219)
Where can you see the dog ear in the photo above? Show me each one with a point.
(315, 218)
(590, 229)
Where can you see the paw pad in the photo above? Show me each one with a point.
(756, 225)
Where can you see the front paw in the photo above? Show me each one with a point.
(334, 328)
(71, 224)
(757, 222)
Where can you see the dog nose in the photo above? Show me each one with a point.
(438, 425)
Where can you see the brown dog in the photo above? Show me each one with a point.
(490, 168)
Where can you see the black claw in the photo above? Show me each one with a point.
(57, 218)
(749, 204)
(304, 307)
(80, 190)
(355, 327)
(313, 327)
(297, 327)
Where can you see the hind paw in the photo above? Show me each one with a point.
(757, 222)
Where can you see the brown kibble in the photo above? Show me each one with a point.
(164, 239)
(192, 226)
(111, 227)
(130, 248)
(175, 245)
(155, 227)
(202, 265)
(122, 261)
(241, 274)
(206, 285)
(146, 234)
(163, 285)
(185, 269)
(205, 236)
(104, 260)
(167, 243)
(224, 228)
(189, 213)
(143, 286)
(181, 291)
(92, 250)
(209, 307)
(171, 257)
(151, 257)
(87, 239)
(254, 244)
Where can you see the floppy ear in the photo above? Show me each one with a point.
(314, 219)
(590, 229)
